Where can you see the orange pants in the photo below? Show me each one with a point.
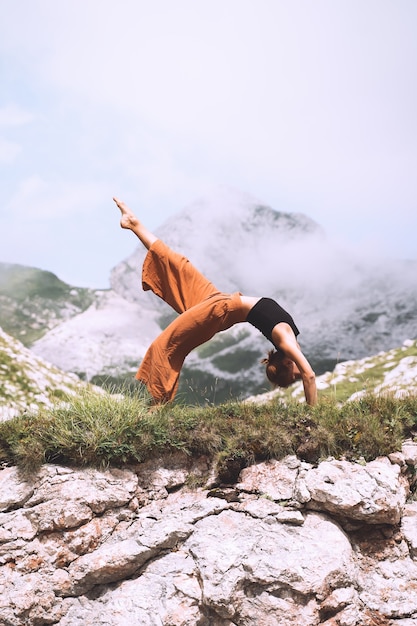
(204, 311)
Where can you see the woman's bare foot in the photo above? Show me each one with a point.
(128, 219)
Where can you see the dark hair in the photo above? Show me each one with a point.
(279, 369)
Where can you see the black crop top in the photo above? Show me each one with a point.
(266, 314)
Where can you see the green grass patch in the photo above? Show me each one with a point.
(218, 343)
(201, 388)
(237, 360)
(16, 378)
(102, 430)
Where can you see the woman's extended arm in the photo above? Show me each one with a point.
(293, 351)
(285, 340)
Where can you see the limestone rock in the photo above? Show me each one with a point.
(409, 526)
(373, 493)
(273, 478)
(409, 450)
(136, 546)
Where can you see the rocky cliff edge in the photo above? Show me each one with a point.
(164, 544)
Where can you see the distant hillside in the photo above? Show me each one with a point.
(27, 382)
(32, 301)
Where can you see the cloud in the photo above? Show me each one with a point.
(38, 199)
(13, 115)
(9, 150)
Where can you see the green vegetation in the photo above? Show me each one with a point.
(166, 318)
(96, 429)
(21, 282)
(32, 301)
(198, 387)
(237, 360)
(218, 343)
(16, 378)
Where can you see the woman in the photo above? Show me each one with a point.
(204, 311)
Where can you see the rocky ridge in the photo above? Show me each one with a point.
(289, 544)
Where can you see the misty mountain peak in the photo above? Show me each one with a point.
(263, 216)
(230, 237)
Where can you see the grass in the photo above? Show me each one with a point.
(102, 430)
(237, 360)
(219, 343)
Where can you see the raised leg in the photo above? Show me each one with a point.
(131, 222)
(167, 273)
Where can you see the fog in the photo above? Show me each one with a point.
(274, 252)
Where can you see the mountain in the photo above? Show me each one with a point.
(347, 304)
(235, 242)
(32, 301)
(27, 381)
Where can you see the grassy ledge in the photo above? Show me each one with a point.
(102, 430)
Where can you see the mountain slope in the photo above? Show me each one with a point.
(32, 301)
(107, 339)
(217, 241)
(27, 381)
(233, 242)
(393, 372)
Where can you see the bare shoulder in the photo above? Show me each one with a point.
(282, 334)
(287, 342)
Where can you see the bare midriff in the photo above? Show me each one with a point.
(248, 302)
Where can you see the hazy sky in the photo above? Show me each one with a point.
(307, 105)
